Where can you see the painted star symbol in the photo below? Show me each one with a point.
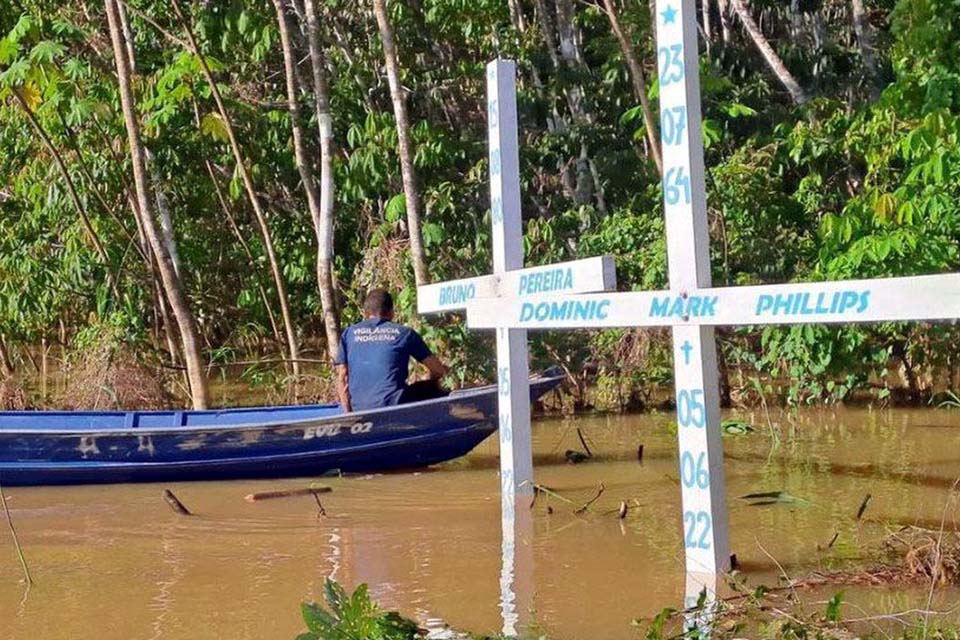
(669, 15)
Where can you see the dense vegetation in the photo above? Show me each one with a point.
(170, 171)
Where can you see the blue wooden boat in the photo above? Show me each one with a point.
(50, 447)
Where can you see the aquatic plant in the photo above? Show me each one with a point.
(353, 617)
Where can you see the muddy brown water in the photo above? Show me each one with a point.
(115, 563)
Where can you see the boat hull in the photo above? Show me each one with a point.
(103, 448)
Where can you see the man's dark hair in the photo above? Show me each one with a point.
(378, 303)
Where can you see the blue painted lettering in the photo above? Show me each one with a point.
(805, 304)
(544, 281)
(585, 310)
(679, 306)
(457, 293)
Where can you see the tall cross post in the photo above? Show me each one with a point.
(688, 258)
(511, 280)
(513, 373)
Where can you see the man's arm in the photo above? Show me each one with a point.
(437, 369)
(343, 387)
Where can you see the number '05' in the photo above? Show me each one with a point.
(691, 411)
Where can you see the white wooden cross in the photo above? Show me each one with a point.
(511, 280)
(692, 307)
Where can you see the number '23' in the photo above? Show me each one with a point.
(671, 64)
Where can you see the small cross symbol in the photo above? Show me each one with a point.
(669, 15)
(686, 348)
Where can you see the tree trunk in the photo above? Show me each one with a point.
(251, 194)
(516, 15)
(864, 31)
(707, 26)
(6, 363)
(163, 210)
(723, 8)
(588, 176)
(172, 285)
(639, 82)
(411, 189)
(321, 90)
(773, 60)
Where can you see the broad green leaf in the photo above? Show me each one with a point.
(213, 125)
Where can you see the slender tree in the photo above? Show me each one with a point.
(324, 222)
(723, 8)
(773, 60)
(411, 189)
(864, 31)
(173, 287)
(293, 349)
(638, 80)
(302, 160)
(6, 363)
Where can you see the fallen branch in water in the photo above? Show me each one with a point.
(175, 503)
(288, 493)
(539, 488)
(16, 541)
(586, 505)
(584, 443)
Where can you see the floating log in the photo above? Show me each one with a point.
(175, 503)
(287, 493)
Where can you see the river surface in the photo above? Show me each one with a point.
(114, 563)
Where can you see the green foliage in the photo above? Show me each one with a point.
(353, 617)
(862, 182)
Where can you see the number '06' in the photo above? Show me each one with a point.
(694, 473)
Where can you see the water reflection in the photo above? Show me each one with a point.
(699, 602)
(516, 570)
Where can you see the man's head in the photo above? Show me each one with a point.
(378, 304)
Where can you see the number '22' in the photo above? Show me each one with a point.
(694, 521)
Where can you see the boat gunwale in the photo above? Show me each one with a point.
(280, 457)
(302, 422)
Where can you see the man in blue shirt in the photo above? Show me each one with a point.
(372, 365)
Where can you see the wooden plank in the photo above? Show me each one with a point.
(932, 298)
(576, 276)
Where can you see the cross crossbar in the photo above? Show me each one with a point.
(933, 297)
